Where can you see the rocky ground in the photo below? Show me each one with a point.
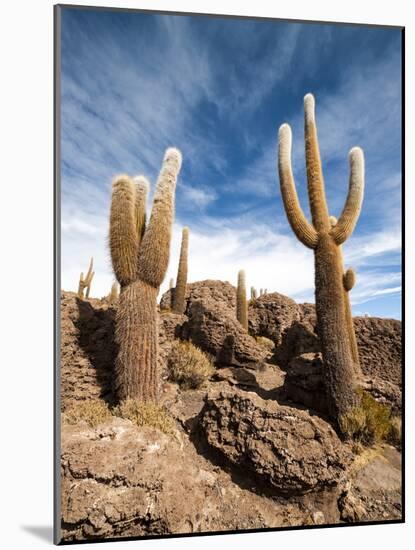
(252, 448)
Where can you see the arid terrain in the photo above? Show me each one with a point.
(251, 447)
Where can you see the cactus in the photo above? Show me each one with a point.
(171, 284)
(241, 303)
(253, 293)
(85, 283)
(349, 280)
(341, 382)
(140, 256)
(113, 295)
(179, 293)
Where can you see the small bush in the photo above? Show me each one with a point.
(145, 414)
(188, 365)
(368, 423)
(265, 343)
(93, 412)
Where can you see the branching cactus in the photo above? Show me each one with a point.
(85, 283)
(341, 382)
(179, 293)
(241, 303)
(140, 257)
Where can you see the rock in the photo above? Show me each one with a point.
(304, 383)
(284, 449)
(270, 315)
(380, 348)
(88, 349)
(373, 491)
(208, 291)
(214, 330)
(155, 484)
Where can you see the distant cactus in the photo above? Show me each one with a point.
(179, 293)
(140, 258)
(113, 295)
(341, 382)
(253, 293)
(85, 283)
(261, 291)
(241, 303)
(171, 283)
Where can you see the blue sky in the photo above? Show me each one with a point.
(134, 84)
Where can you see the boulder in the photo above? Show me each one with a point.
(270, 315)
(283, 448)
(208, 291)
(216, 331)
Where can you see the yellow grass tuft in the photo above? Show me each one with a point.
(92, 411)
(145, 414)
(188, 365)
(266, 343)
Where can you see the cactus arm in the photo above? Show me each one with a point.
(348, 219)
(304, 231)
(123, 239)
(315, 180)
(141, 190)
(349, 280)
(155, 247)
(81, 286)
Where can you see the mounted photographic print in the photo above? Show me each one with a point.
(228, 274)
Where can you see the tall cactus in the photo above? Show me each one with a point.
(179, 293)
(325, 241)
(349, 280)
(85, 283)
(253, 293)
(140, 258)
(241, 303)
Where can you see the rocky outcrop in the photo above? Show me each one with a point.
(170, 328)
(284, 448)
(304, 385)
(215, 331)
(208, 291)
(157, 484)
(271, 314)
(88, 349)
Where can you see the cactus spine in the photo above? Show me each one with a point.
(241, 303)
(140, 258)
(179, 293)
(325, 241)
(85, 283)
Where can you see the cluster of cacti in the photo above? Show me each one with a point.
(179, 293)
(325, 240)
(85, 283)
(241, 303)
(140, 256)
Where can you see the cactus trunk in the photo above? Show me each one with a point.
(333, 329)
(241, 303)
(137, 336)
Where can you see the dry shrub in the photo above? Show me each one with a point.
(188, 365)
(266, 343)
(92, 411)
(368, 423)
(395, 432)
(145, 414)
